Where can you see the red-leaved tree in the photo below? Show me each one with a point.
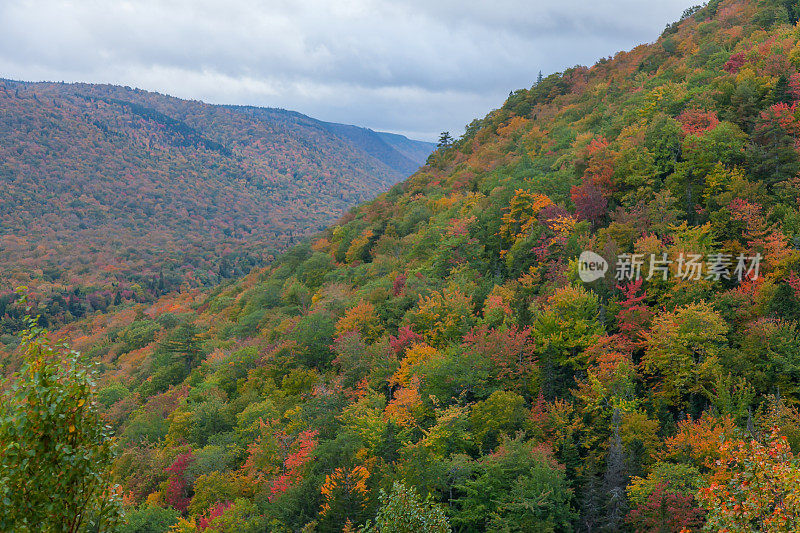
(217, 510)
(665, 512)
(300, 454)
(591, 202)
(178, 491)
(511, 351)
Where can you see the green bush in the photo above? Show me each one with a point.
(150, 519)
(55, 452)
(403, 511)
(138, 335)
(107, 396)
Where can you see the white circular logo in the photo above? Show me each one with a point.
(591, 267)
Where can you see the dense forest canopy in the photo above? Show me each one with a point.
(110, 194)
(434, 359)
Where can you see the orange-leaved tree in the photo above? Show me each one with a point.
(756, 487)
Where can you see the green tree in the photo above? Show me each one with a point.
(445, 140)
(518, 488)
(615, 479)
(403, 511)
(150, 519)
(55, 452)
(242, 517)
(772, 154)
(568, 325)
(780, 94)
(683, 350)
(185, 346)
(501, 413)
(663, 139)
(701, 153)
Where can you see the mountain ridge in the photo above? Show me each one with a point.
(165, 191)
(408, 154)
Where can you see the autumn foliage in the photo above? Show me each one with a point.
(435, 359)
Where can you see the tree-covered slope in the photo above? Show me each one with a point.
(110, 194)
(439, 339)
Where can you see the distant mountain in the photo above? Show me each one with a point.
(414, 150)
(122, 193)
(395, 151)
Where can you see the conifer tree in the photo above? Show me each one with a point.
(616, 478)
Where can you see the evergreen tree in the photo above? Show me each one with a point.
(772, 154)
(792, 10)
(185, 345)
(590, 504)
(780, 93)
(615, 479)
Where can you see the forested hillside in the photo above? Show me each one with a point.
(109, 194)
(435, 357)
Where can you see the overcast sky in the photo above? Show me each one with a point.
(416, 67)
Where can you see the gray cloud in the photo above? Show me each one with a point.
(411, 66)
